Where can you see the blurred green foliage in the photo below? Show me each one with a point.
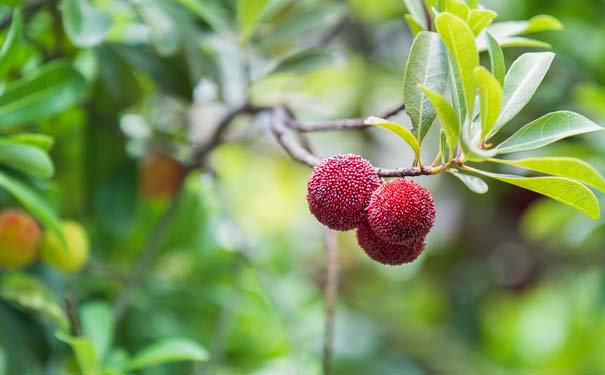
(509, 282)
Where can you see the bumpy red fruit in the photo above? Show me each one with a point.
(401, 210)
(339, 190)
(387, 252)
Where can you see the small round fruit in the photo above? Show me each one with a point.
(70, 258)
(19, 239)
(339, 190)
(385, 252)
(401, 210)
(160, 176)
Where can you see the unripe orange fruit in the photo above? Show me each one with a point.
(70, 258)
(160, 176)
(19, 239)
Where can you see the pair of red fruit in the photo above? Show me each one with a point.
(392, 219)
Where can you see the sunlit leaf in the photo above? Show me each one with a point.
(460, 41)
(41, 141)
(520, 84)
(415, 28)
(490, 99)
(49, 90)
(496, 58)
(475, 184)
(398, 129)
(547, 129)
(575, 169)
(97, 325)
(447, 117)
(480, 18)
(562, 189)
(457, 8)
(84, 351)
(166, 351)
(248, 14)
(427, 66)
(84, 24)
(416, 9)
(25, 158)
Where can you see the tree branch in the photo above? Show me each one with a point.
(330, 295)
(355, 123)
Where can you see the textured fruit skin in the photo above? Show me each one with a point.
(400, 210)
(19, 239)
(160, 176)
(339, 190)
(385, 252)
(67, 259)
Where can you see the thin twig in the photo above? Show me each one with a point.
(149, 252)
(356, 123)
(330, 295)
(72, 316)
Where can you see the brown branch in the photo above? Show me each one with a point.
(356, 123)
(75, 329)
(278, 126)
(330, 295)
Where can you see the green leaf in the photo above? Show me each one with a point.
(84, 351)
(443, 145)
(575, 169)
(496, 58)
(168, 350)
(84, 25)
(460, 41)
(426, 65)
(97, 325)
(163, 27)
(32, 202)
(25, 158)
(51, 89)
(398, 129)
(522, 42)
(490, 99)
(415, 28)
(520, 84)
(29, 292)
(471, 137)
(535, 24)
(480, 19)
(209, 11)
(475, 184)
(41, 141)
(561, 189)
(248, 14)
(542, 22)
(447, 117)
(457, 8)
(416, 9)
(547, 129)
(10, 47)
(304, 61)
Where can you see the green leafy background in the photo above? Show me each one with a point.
(510, 281)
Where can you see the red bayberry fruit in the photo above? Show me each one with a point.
(19, 239)
(339, 190)
(401, 210)
(387, 252)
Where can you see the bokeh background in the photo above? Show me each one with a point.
(509, 282)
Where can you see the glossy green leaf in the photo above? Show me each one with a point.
(520, 84)
(168, 350)
(457, 8)
(427, 66)
(518, 41)
(84, 24)
(547, 129)
(415, 28)
(460, 41)
(398, 129)
(490, 99)
(10, 47)
(209, 11)
(496, 58)
(575, 169)
(25, 158)
(32, 202)
(447, 117)
(83, 350)
(97, 325)
(475, 184)
(304, 61)
(248, 14)
(471, 137)
(416, 10)
(51, 89)
(41, 141)
(542, 22)
(562, 189)
(480, 19)
(535, 24)
(31, 293)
